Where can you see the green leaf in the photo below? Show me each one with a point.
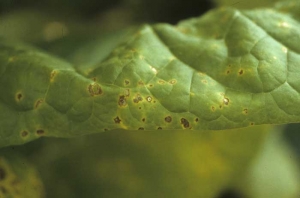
(226, 69)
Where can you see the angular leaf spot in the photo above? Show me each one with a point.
(117, 120)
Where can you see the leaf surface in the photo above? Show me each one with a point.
(226, 69)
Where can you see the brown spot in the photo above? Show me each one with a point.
(19, 96)
(226, 101)
(143, 119)
(196, 119)
(141, 83)
(228, 71)
(149, 98)
(95, 89)
(159, 128)
(213, 108)
(2, 174)
(40, 131)
(105, 129)
(173, 81)
(94, 79)
(137, 99)
(126, 82)
(220, 106)
(185, 123)
(241, 72)
(150, 85)
(24, 133)
(141, 128)
(245, 111)
(38, 102)
(140, 107)
(168, 119)
(117, 120)
(229, 65)
(251, 123)
(122, 101)
(52, 75)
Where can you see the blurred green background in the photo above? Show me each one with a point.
(220, 164)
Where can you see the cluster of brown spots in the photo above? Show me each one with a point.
(2, 174)
(122, 101)
(24, 133)
(159, 128)
(38, 102)
(143, 119)
(117, 120)
(196, 119)
(226, 101)
(126, 82)
(137, 98)
(141, 128)
(245, 111)
(168, 119)
(95, 89)
(173, 81)
(40, 132)
(52, 75)
(185, 123)
(19, 96)
(241, 72)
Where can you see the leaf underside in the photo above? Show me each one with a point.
(226, 69)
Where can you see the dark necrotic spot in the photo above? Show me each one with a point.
(94, 89)
(159, 128)
(40, 131)
(2, 174)
(141, 128)
(168, 119)
(241, 72)
(24, 133)
(143, 119)
(19, 96)
(245, 111)
(251, 123)
(126, 82)
(122, 101)
(105, 129)
(185, 123)
(38, 102)
(196, 119)
(117, 120)
(230, 193)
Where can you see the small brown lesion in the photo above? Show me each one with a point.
(252, 123)
(137, 98)
(117, 120)
(228, 72)
(2, 174)
(141, 128)
(159, 128)
(38, 103)
(24, 133)
(213, 108)
(241, 72)
(144, 119)
(122, 101)
(95, 89)
(245, 111)
(162, 82)
(19, 96)
(173, 82)
(168, 119)
(185, 123)
(126, 82)
(40, 132)
(141, 83)
(226, 101)
(196, 119)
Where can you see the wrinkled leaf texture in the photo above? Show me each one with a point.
(226, 69)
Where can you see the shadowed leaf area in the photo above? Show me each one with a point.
(226, 69)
